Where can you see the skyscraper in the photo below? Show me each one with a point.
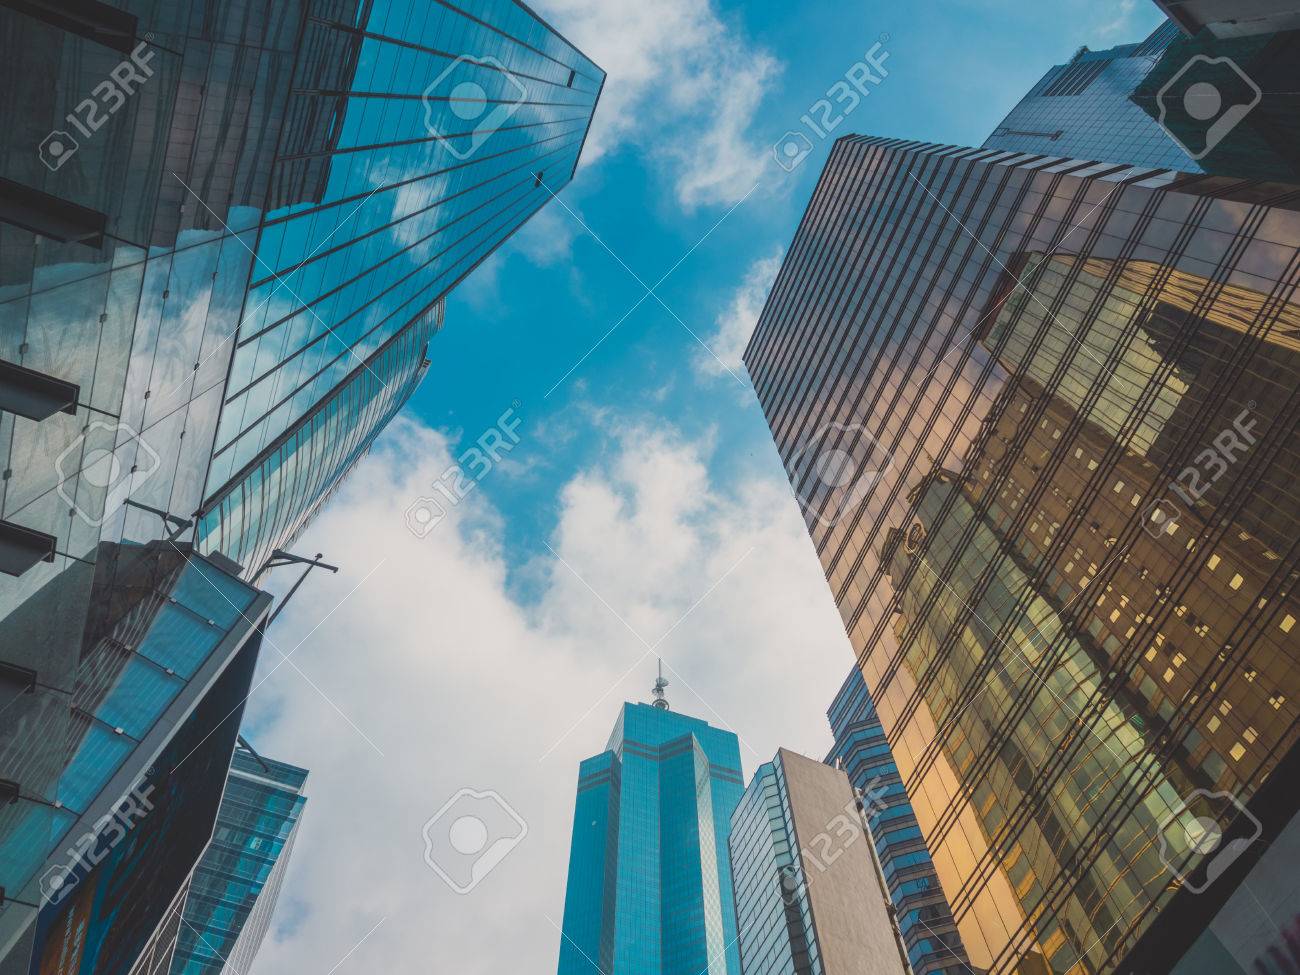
(1146, 103)
(924, 918)
(649, 887)
(233, 890)
(226, 236)
(810, 899)
(1041, 417)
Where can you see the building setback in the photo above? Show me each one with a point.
(227, 231)
(649, 885)
(810, 899)
(1137, 103)
(1041, 416)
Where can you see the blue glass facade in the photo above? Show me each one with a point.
(428, 162)
(270, 501)
(103, 918)
(227, 230)
(924, 917)
(649, 887)
(189, 616)
(234, 887)
(773, 913)
(1126, 106)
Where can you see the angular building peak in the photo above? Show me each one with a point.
(649, 883)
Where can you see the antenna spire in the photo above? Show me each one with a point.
(660, 701)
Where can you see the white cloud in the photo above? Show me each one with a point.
(460, 685)
(547, 239)
(683, 87)
(735, 324)
(1119, 15)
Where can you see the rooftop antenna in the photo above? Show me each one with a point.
(660, 701)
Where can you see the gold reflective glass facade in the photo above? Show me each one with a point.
(1041, 417)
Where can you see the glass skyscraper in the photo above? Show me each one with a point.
(227, 231)
(234, 888)
(1041, 417)
(1129, 104)
(862, 750)
(810, 899)
(649, 886)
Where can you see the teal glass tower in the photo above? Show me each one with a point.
(237, 882)
(649, 888)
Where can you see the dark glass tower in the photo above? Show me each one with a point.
(924, 917)
(227, 231)
(649, 887)
(234, 888)
(1041, 416)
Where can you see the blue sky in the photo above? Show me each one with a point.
(644, 512)
(523, 322)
